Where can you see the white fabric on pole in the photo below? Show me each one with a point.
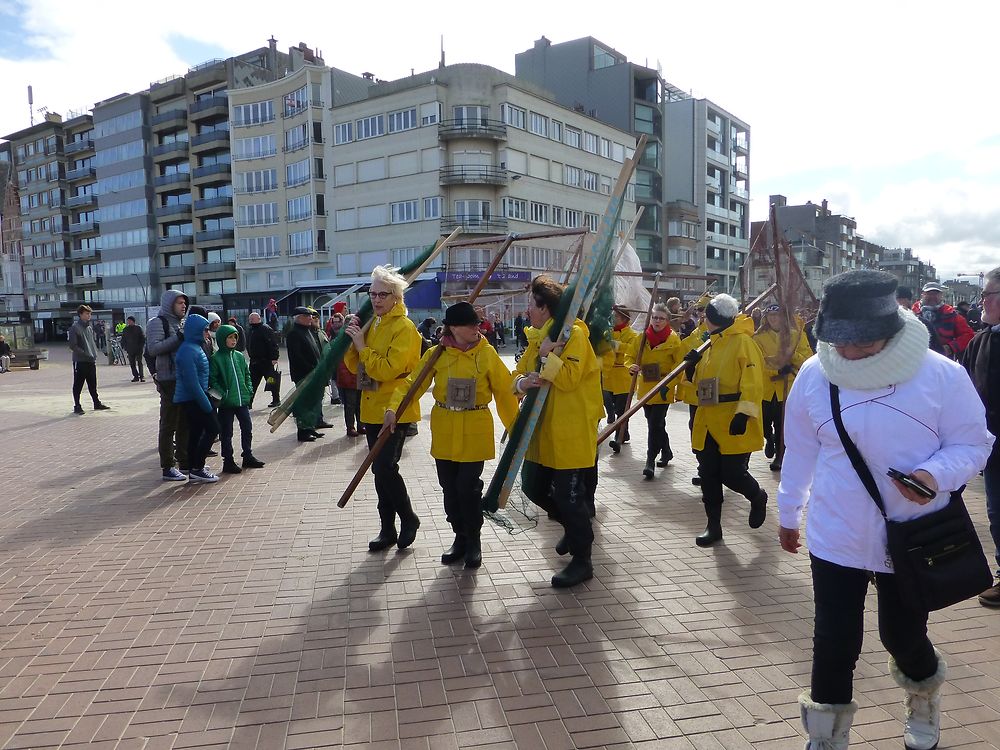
(630, 291)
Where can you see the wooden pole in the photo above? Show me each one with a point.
(280, 413)
(616, 444)
(613, 428)
(428, 367)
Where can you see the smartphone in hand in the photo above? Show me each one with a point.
(907, 481)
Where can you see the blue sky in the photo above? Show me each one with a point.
(884, 109)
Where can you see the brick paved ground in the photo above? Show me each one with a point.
(141, 614)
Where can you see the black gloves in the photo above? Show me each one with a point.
(786, 370)
(739, 424)
(693, 357)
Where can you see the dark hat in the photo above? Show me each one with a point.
(461, 314)
(904, 292)
(858, 307)
(622, 310)
(772, 308)
(301, 310)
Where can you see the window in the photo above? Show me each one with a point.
(573, 137)
(472, 211)
(467, 114)
(590, 181)
(557, 131)
(403, 212)
(513, 116)
(297, 173)
(644, 119)
(618, 152)
(346, 218)
(255, 248)
(255, 148)
(343, 133)
(369, 127)
(590, 143)
(404, 119)
(572, 218)
(258, 181)
(603, 58)
(679, 255)
(430, 113)
(514, 208)
(253, 114)
(432, 208)
(297, 137)
(371, 216)
(540, 213)
(591, 221)
(572, 176)
(539, 125)
(300, 243)
(606, 185)
(605, 148)
(557, 216)
(299, 208)
(256, 214)
(296, 101)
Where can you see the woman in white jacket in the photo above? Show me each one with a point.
(907, 408)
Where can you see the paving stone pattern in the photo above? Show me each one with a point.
(141, 614)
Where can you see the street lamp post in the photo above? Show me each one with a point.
(145, 297)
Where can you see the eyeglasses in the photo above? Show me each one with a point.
(984, 295)
(658, 317)
(379, 295)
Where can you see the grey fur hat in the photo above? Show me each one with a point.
(858, 307)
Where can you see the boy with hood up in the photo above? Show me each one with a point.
(191, 394)
(229, 376)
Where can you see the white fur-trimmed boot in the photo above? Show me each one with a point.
(923, 705)
(828, 724)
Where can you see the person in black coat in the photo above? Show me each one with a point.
(241, 340)
(133, 341)
(304, 350)
(262, 347)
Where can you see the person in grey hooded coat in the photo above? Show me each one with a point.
(164, 335)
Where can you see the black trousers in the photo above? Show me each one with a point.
(717, 470)
(562, 493)
(463, 495)
(656, 425)
(838, 633)
(259, 371)
(173, 432)
(85, 372)
(351, 399)
(242, 415)
(135, 362)
(773, 413)
(202, 431)
(614, 405)
(393, 499)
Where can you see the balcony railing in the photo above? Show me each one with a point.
(83, 227)
(212, 136)
(226, 266)
(177, 178)
(175, 272)
(474, 224)
(214, 236)
(493, 129)
(255, 155)
(175, 209)
(472, 175)
(179, 147)
(224, 202)
(711, 153)
(75, 201)
(175, 240)
(83, 253)
(81, 173)
(716, 211)
(251, 123)
(260, 254)
(209, 103)
(170, 116)
(211, 169)
(76, 147)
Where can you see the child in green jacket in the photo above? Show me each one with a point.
(229, 381)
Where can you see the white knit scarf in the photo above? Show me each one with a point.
(896, 363)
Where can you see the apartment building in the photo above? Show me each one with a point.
(13, 302)
(389, 167)
(908, 268)
(707, 163)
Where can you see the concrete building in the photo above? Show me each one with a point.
(911, 271)
(13, 301)
(387, 168)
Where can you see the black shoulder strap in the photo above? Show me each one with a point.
(166, 326)
(857, 461)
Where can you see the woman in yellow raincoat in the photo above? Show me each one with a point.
(466, 377)
(382, 359)
(727, 424)
(561, 455)
(662, 351)
(615, 378)
(781, 362)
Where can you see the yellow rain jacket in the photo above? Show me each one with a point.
(769, 342)
(685, 389)
(391, 353)
(735, 360)
(667, 355)
(613, 366)
(465, 436)
(566, 435)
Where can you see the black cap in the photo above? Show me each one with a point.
(301, 310)
(461, 314)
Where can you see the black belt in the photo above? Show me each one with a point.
(725, 398)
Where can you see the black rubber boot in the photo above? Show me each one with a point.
(758, 510)
(665, 458)
(562, 546)
(408, 531)
(578, 571)
(713, 531)
(385, 539)
(229, 467)
(473, 552)
(648, 470)
(455, 552)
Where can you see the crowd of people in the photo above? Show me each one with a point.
(914, 385)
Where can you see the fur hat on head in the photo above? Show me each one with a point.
(461, 314)
(858, 307)
(722, 310)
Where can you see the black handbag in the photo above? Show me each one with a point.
(938, 559)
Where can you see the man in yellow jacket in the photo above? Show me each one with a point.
(615, 377)
(560, 459)
(728, 379)
(466, 377)
(661, 353)
(382, 358)
(782, 359)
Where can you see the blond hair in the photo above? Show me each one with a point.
(391, 278)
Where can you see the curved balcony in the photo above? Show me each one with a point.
(176, 210)
(472, 175)
(491, 129)
(474, 224)
(215, 237)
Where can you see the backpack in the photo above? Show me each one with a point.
(151, 358)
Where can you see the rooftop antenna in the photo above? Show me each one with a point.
(31, 106)
(441, 64)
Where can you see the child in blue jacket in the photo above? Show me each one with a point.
(191, 393)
